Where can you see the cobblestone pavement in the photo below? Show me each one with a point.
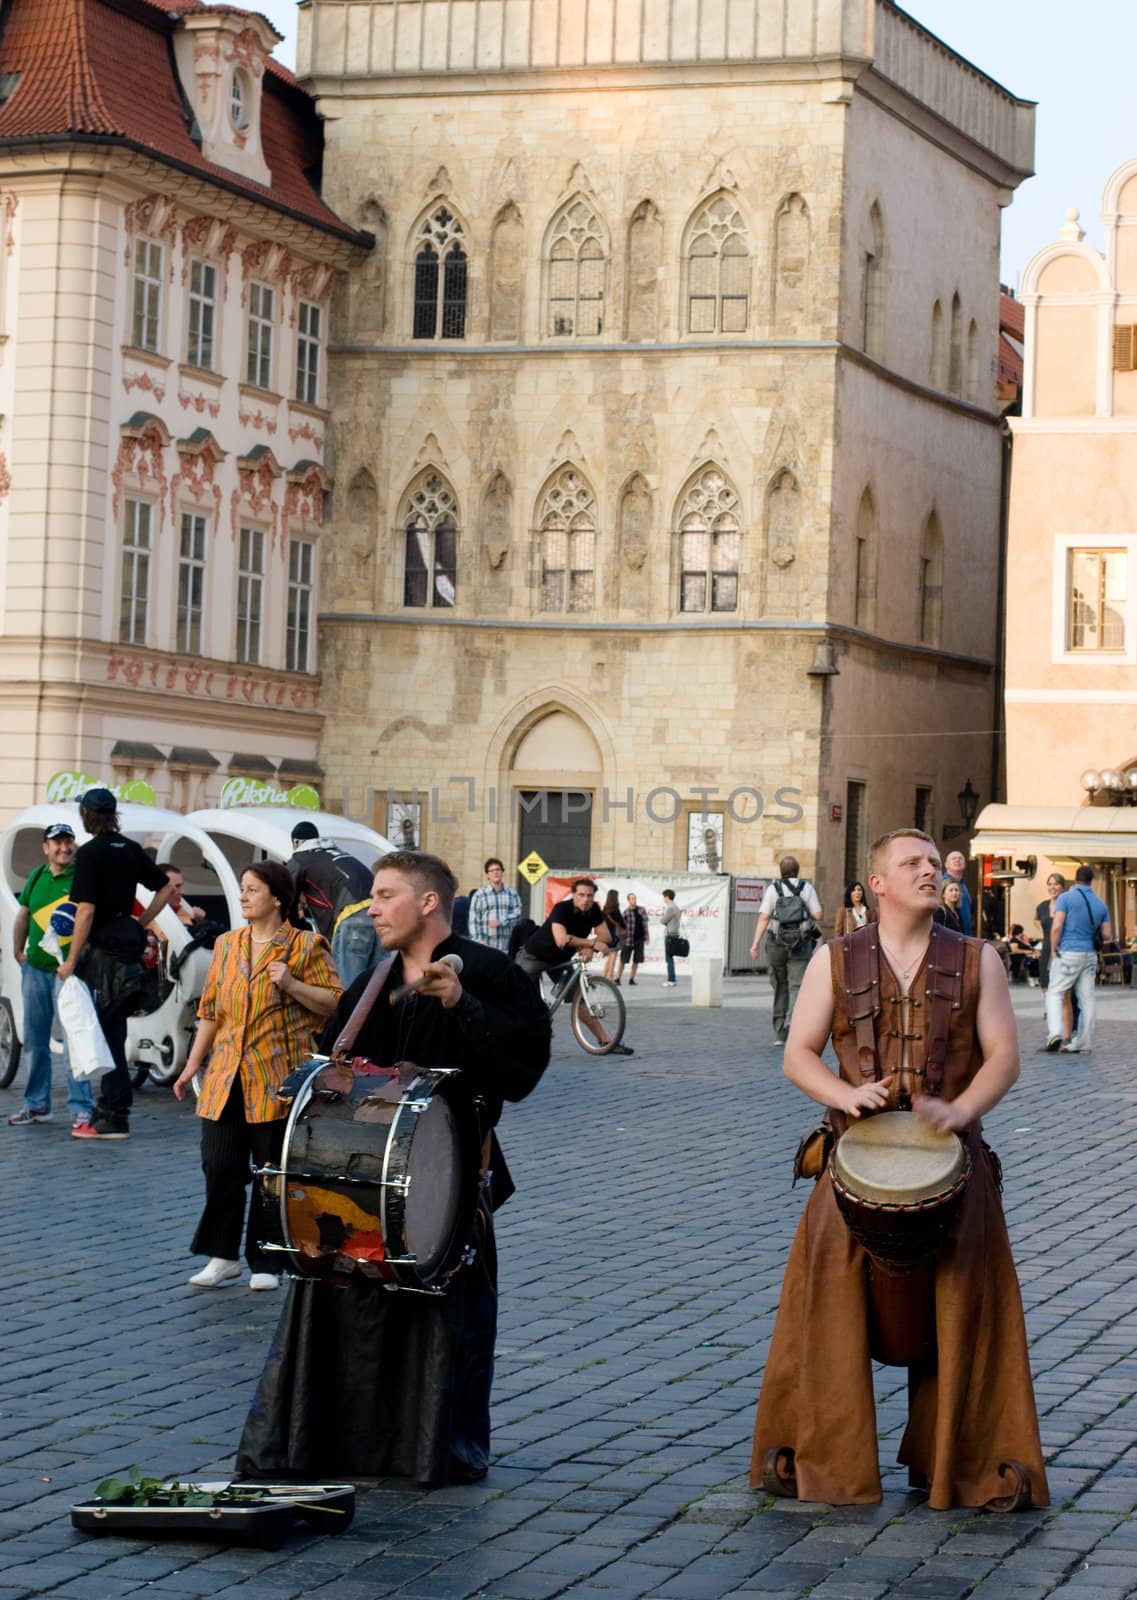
(641, 1263)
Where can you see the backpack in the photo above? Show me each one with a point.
(794, 928)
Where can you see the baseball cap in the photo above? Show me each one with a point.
(305, 830)
(59, 830)
(98, 800)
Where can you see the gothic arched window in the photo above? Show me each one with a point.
(710, 543)
(716, 260)
(440, 277)
(577, 270)
(430, 526)
(566, 540)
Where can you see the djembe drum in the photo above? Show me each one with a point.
(899, 1185)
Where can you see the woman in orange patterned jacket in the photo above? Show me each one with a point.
(269, 988)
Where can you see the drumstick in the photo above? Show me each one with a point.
(405, 989)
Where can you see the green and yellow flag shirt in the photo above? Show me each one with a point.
(42, 895)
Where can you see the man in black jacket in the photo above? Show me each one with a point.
(360, 1381)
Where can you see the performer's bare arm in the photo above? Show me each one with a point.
(999, 1042)
(809, 1034)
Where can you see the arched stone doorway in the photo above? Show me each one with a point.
(555, 779)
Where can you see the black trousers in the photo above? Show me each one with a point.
(230, 1148)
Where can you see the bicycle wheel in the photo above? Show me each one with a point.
(606, 1004)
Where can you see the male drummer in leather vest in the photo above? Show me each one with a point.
(919, 1017)
(363, 1381)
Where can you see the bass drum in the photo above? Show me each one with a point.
(379, 1177)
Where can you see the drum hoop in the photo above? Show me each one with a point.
(301, 1099)
(905, 1207)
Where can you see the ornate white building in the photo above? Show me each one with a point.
(164, 294)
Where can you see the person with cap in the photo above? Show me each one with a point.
(108, 943)
(46, 893)
(336, 887)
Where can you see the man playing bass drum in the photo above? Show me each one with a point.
(361, 1381)
(919, 1016)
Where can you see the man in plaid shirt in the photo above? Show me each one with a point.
(635, 937)
(494, 909)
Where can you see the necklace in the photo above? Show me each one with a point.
(898, 966)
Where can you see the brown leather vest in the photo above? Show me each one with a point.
(868, 1015)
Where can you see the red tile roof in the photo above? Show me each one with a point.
(104, 69)
(1012, 331)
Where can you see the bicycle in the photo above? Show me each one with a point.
(597, 997)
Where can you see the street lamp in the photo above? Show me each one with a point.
(968, 810)
(1120, 787)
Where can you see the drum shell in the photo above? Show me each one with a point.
(350, 1148)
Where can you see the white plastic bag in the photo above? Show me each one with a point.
(88, 1051)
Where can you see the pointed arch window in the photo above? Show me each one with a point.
(710, 542)
(716, 261)
(931, 581)
(566, 539)
(430, 528)
(577, 273)
(872, 290)
(440, 277)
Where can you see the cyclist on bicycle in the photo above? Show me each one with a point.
(574, 927)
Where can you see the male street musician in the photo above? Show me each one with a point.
(362, 1381)
(917, 1014)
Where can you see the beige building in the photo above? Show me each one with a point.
(666, 450)
(1071, 692)
(165, 281)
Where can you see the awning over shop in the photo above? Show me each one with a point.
(1061, 833)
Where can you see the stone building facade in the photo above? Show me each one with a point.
(165, 282)
(666, 450)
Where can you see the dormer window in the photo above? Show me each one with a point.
(238, 103)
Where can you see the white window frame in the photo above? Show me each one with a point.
(250, 594)
(137, 556)
(303, 587)
(146, 295)
(201, 315)
(1063, 544)
(259, 335)
(195, 561)
(309, 335)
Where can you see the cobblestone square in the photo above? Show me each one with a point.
(640, 1268)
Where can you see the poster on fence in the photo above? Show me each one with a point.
(703, 901)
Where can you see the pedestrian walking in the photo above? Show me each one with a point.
(47, 891)
(1044, 915)
(613, 914)
(634, 937)
(855, 911)
(495, 909)
(108, 946)
(918, 1016)
(335, 888)
(672, 917)
(791, 905)
(1079, 926)
(269, 988)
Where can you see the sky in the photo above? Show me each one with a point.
(1077, 62)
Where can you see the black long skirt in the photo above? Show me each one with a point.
(361, 1382)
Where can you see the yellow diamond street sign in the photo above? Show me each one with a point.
(532, 868)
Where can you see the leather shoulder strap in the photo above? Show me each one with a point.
(363, 1005)
(944, 992)
(861, 961)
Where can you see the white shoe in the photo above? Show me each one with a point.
(669, 983)
(264, 1280)
(216, 1273)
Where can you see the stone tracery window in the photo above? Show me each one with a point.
(710, 542)
(566, 538)
(440, 277)
(577, 271)
(716, 260)
(430, 527)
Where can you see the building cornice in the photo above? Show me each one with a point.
(807, 630)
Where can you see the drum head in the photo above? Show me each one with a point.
(895, 1159)
(435, 1169)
